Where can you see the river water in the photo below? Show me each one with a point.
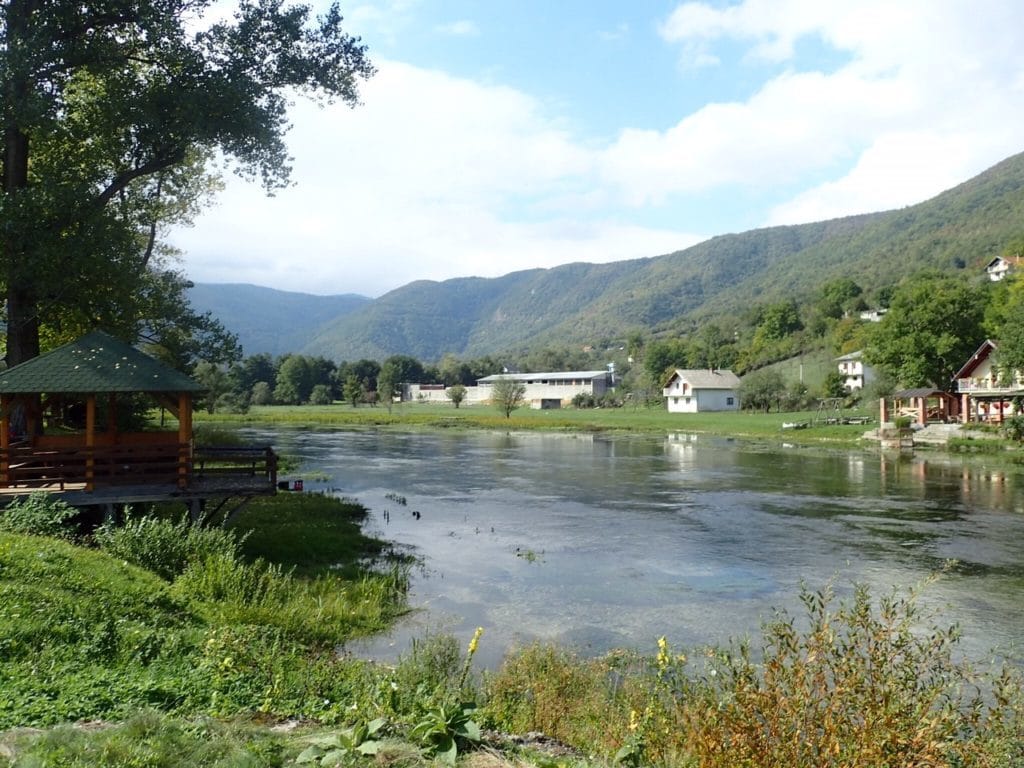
(600, 541)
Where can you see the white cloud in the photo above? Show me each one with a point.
(437, 176)
(433, 177)
(461, 28)
(937, 72)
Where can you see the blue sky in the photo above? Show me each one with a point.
(503, 135)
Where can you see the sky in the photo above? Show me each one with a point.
(501, 135)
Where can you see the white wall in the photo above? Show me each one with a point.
(703, 401)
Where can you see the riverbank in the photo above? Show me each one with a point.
(175, 647)
(768, 426)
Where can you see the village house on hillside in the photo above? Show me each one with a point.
(856, 375)
(986, 395)
(701, 390)
(999, 268)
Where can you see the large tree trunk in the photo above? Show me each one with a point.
(22, 317)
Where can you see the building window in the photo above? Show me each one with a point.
(730, 401)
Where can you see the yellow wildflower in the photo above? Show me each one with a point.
(634, 721)
(475, 641)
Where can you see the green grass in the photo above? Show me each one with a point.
(84, 634)
(626, 419)
(810, 368)
(278, 529)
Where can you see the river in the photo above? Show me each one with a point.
(600, 541)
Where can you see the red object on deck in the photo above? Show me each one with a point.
(297, 485)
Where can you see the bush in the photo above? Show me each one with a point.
(321, 395)
(39, 514)
(165, 547)
(1014, 428)
(583, 400)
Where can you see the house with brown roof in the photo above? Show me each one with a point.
(986, 392)
(702, 390)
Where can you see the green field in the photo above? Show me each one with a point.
(626, 419)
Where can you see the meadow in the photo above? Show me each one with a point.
(745, 424)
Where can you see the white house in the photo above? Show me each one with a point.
(696, 391)
(553, 389)
(986, 393)
(873, 315)
(999, 267)
(856, 375)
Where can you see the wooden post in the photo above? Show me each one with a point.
(883, 410)
(922, 411)
(112, 418)
(184, 438)
(90, 441)
(965, 408)
(5, 440)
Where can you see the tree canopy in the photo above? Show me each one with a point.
(933, 325)
(111, 110)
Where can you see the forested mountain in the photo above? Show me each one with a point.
(268, 320)
(962, 228)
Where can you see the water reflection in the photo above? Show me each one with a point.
(603, 541)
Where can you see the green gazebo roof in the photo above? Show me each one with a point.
(95, 363)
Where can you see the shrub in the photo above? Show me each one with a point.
(165, 547)
(583, 400)
(321, 395)
(39, 514)
(1014, 428)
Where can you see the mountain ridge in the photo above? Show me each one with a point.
(583, 302)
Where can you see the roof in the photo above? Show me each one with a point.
(97, 362)
(703, 378)
(905, 394)
(851, 356)
(979, 356)
(544, 375)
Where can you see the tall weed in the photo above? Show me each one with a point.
(166, 547)
(853, 684)
(39, 514)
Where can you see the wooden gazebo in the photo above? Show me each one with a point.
(59, 427)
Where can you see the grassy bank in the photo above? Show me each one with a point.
(179, 647)
(435, 416)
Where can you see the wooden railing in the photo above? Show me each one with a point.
(235, 461)
(32, 467)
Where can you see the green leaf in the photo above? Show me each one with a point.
(368, 747)
(310, 754)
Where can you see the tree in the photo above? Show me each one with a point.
(214, 380)
(507, 394)
(933, 325)
(834, 385)
(109, 112)
(353, 390)
(1010, 332)
(837, 296)
(388, 383)
(405, 368)
(294, 380)
(261, 394)
(762, 389)
(456, 393)
(321, 395)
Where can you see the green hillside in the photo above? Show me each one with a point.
(271, 321)
(962, 228)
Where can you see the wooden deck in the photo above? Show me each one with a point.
(113, 476)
